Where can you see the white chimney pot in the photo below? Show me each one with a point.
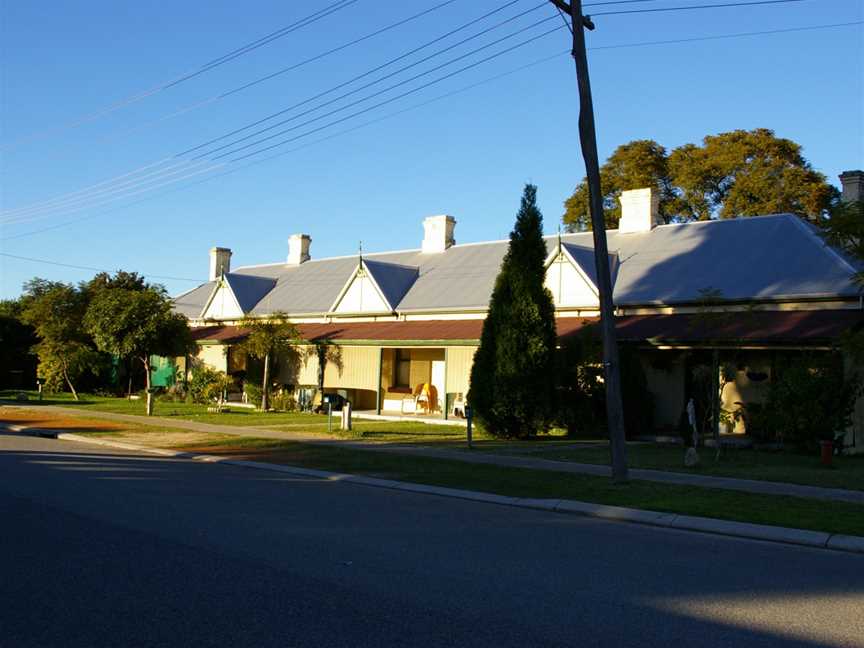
(220, 262)
(640, 210)
(298, 248)
(438, 233)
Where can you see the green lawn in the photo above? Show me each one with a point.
(189, 411)
(847, 472)
(834, 517)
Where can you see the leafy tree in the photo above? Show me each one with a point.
(267, 339)
(56, 312)
(746, 173)
(739, 173)
(16, 340)
(513, 377)
(121, 279)
(137, 324)
(637, 164)
(844, 229)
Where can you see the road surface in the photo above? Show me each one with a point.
(105, 547)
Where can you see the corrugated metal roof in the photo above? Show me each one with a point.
(766, 257)
(393, 279)
(249, 289)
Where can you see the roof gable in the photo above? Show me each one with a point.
(234, 295)
(374, 287)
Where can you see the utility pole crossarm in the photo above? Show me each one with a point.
(563, 6)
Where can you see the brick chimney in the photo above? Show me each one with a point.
(437, 233)
(220, 262)
(853, 185)
(640, 210)
(298, 248)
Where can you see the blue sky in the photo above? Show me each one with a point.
(467, 155)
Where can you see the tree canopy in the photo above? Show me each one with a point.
(266, 339)
(739, 173)
(512, 378)
(56, 312)
(137, 323)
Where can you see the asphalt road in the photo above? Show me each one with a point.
(101, 547)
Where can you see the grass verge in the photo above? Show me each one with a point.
(832, 517)
(847, 472)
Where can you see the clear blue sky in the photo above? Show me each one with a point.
(467, 155)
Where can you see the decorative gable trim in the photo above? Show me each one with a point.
(361, 272)
(222, 284)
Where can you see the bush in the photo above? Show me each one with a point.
(809, 401)
(283, 401)
(208, 384)
(253, 392)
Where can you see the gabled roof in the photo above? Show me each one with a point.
(249, 289)
(393, 279)
(246, 290)
(756, 258)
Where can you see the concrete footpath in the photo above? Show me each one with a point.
(478, 457)
(766, 533)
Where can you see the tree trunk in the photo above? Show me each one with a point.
(69, 382)
(322, 365)
(587, 137)
(146, 361)
(265, 386)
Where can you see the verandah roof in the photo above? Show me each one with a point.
(773, 327)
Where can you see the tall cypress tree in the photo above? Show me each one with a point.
(512, 379)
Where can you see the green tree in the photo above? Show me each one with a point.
(637, 164)
(16, 341)
(739, 173)
(266, 340)
(513, 377)
(56, 311)
(137, 324)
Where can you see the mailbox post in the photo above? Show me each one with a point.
(469, 418)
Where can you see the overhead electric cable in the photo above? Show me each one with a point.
(621, 12)
(420, 105)
(624, 45)
(80, 267)
(299, 24)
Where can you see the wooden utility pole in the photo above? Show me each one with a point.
(588, 139)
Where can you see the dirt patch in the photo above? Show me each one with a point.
(48, 421)
(169, 439)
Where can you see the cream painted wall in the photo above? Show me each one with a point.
(214, 356)
(459, 362)
(356, 367)
(744, 389)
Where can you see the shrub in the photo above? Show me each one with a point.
(207, 384)
(253, 392)
(810, 400)
(283, 401)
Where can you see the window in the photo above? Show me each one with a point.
(402, 368)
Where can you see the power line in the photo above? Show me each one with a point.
(61, 202)
(380, 67)
(79, 267)
(299, 24)
(457, 72)
(688, 8)
(423, 104)
(377, 93)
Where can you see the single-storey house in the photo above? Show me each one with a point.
(393, 321)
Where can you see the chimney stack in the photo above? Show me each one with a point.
(640, 210)
(220, 262)
(437, 233)
(298, 248)
(853, 185)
